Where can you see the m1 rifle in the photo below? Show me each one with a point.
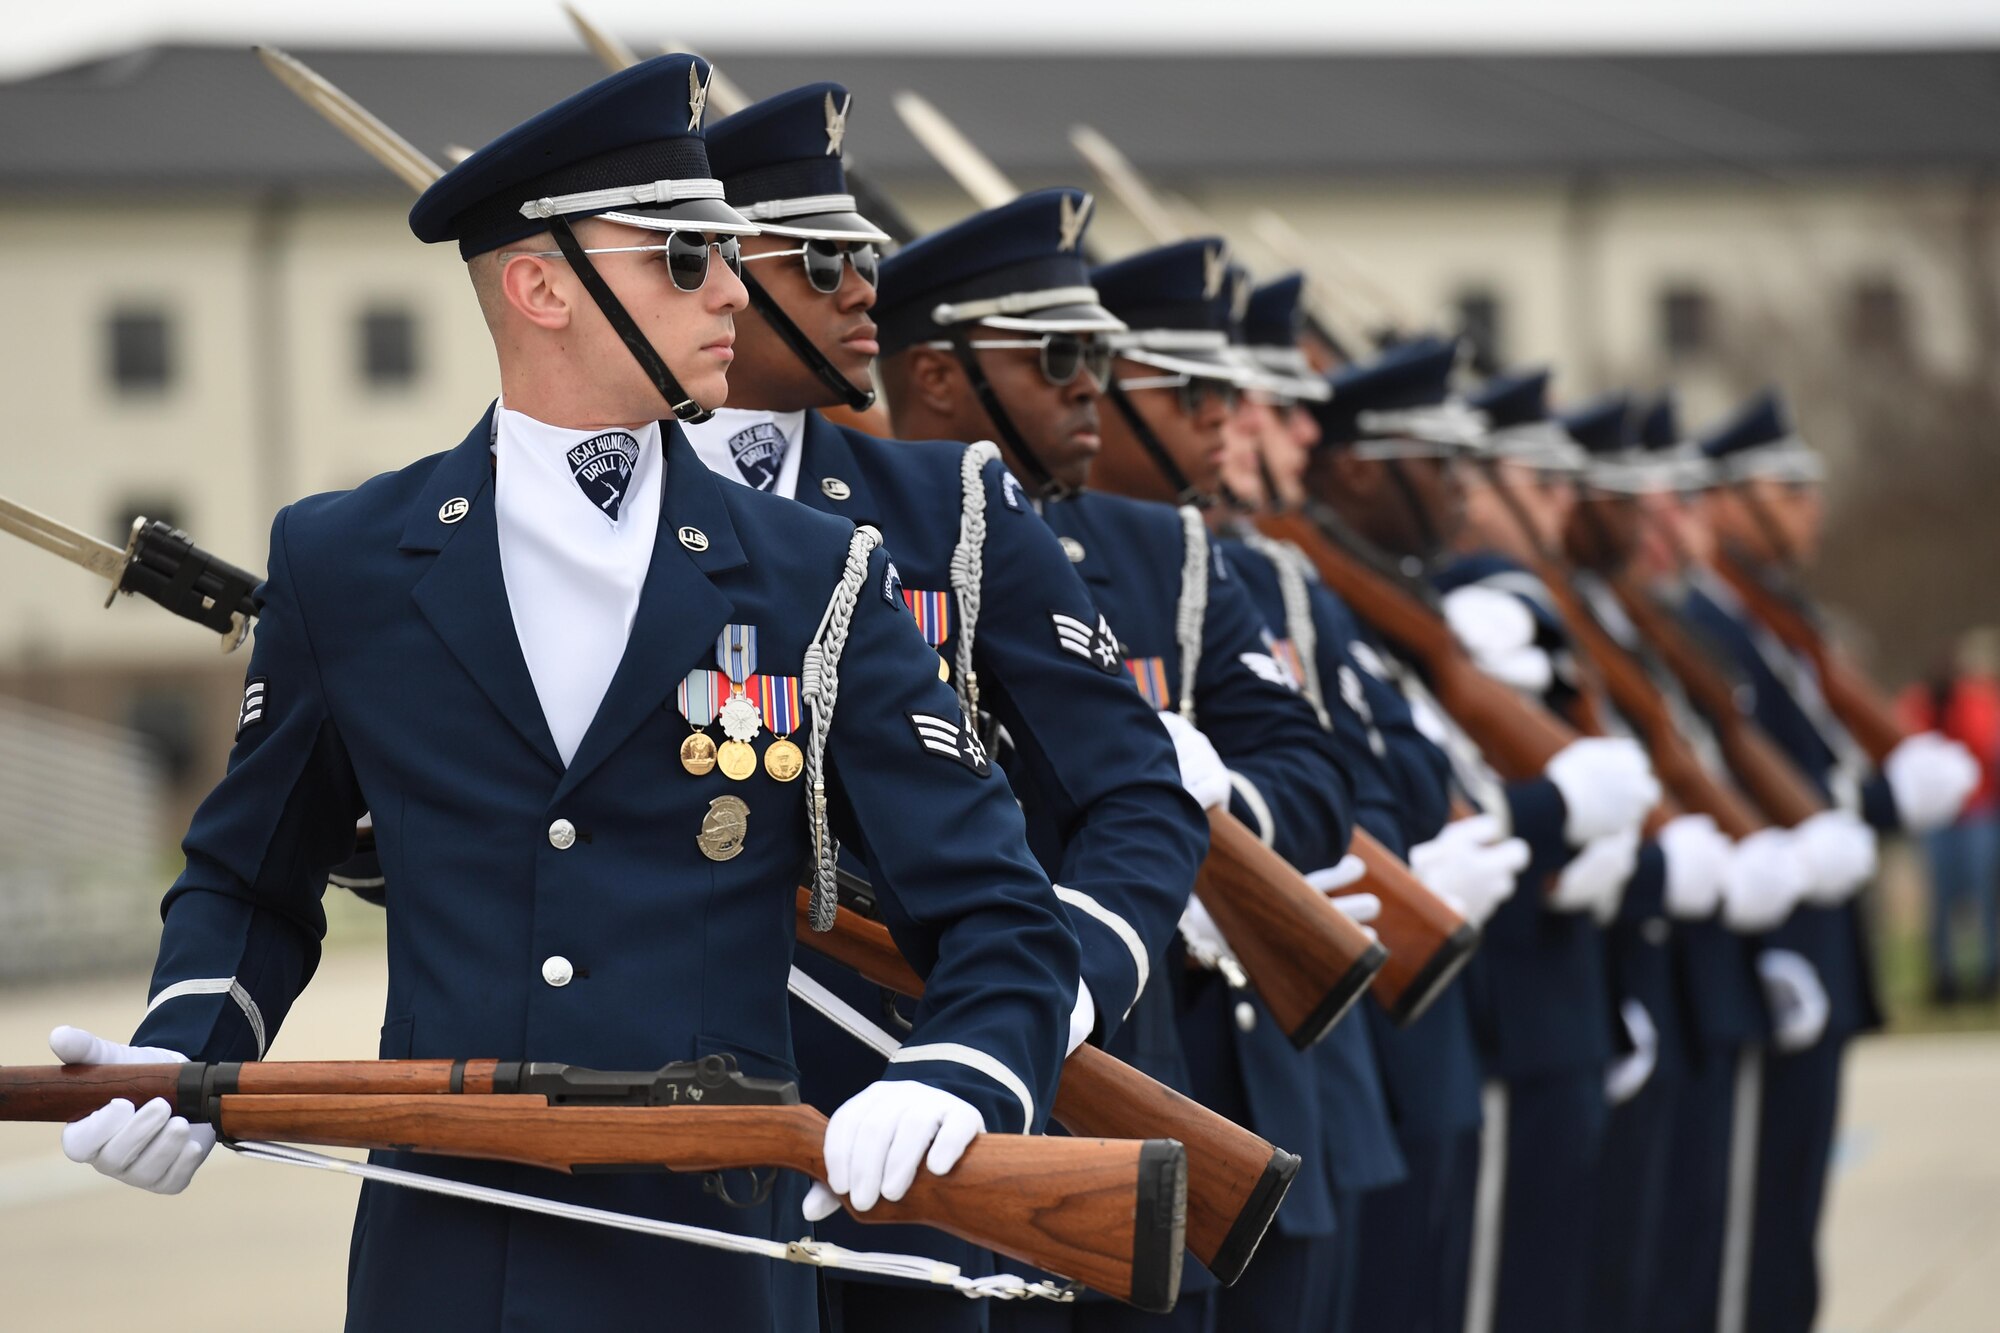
(1107, 1213)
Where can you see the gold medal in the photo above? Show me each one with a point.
(736, 759)
(783, 760)
(724, 827)
(944, 669)
(698, 753)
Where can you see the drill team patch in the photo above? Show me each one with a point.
(759, 451)
(602, 466)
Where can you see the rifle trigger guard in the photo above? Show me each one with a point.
(761, 1181)
(892, 1015)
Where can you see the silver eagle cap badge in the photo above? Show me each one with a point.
(836, 124)
(1070, 224)
(697, 95)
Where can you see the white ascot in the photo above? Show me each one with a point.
(756, 448)
(573, 572)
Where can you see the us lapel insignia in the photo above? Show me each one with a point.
(1070, 224)
(723, 828)
(693, 538)
(697, 95)
(454, 509)
(836, 123)
(1073, 549)
(1214, 270)
(833, 488)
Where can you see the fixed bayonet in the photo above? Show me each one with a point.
(386, 146)
(158, 562)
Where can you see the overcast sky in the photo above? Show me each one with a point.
(41, 35)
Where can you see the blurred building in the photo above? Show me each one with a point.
(215, 306)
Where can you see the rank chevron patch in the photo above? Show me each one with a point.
(1096, 645)
(943, 736)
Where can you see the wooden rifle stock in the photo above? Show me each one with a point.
(1862, 708)
(1516, 735)
(1631, 688)
(1428, 939)
(1108, 1213)
(1306, 960)
(1766, 772)
(1235, 1180)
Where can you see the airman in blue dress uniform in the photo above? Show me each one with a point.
(581, 872)
(1176, 624)
(989, 585)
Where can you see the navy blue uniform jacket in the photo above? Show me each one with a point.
(392, 681)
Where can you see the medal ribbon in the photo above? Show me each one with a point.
(699, 696)
(780, 702)
(933, 613)
(1150, 675)
(736, 651)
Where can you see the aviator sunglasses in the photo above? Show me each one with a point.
(686, 255)
(1191, 392)
(1063, 355)
(823, 261)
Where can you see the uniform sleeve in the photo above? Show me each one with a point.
(965, 899)
(243, 923)
(1291, 784)
(1417, 772)
(1646, 891)
(1132, 838)
(1536, 814)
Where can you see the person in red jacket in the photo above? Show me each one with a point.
(1962, 700)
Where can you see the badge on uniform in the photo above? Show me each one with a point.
(1287, 654)
(1270, 665)
(933, 615)
(953, 740)
(736, 652)
(759, 451)
(1095, 644)
(1150, 675)
(602, 466)
(723, 828)
(1010, 492)
(743, 702)
(892, 583)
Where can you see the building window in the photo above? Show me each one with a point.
(1877, 320)
(1687, 322)
(139, 343)
(1479, 323)
(388, 347)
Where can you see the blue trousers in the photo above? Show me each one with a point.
(1965, 871)
(1695, 1203)
(1416, 1240)
(877, 1307)
(1795, 1146)
(1555, 1137)
(1297, 1282)
(1632, 1175)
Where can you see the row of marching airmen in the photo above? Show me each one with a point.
(1130, 558)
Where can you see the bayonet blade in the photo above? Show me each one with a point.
(724, 93)
(972, 169)
(614, 54)
(79, 548)
(1117, 171)
(348, 116)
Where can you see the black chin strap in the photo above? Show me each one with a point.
(805, 349)
(1041, 481)
(1184, 491)
(683, 407)
(1427, 532)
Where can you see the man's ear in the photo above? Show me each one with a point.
(935, 379)
(530, 287)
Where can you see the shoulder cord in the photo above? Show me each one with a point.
(820, 685)
(968, 566)
(816, 1253)
(1192, 609)
(1290, 563)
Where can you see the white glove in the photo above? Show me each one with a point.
(1607, 785)
(1499, 631)
(1764, 880)
(1472, 864)
(1594, 881)
(1930, 776)
(1697, 855)
(1796, 998)
(1839, 855)
(1360, 908)
(1205, 943)
(1082, 1018)
(145, 1146)
(880, 1136)
(1629, 1072)
(1203, 773)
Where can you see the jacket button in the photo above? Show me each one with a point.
(1246, 1017)
(562, 834)
(556, 970)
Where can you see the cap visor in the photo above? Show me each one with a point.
(1082, 317)
(1204, 363)
(710, 215)
(827, 227)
